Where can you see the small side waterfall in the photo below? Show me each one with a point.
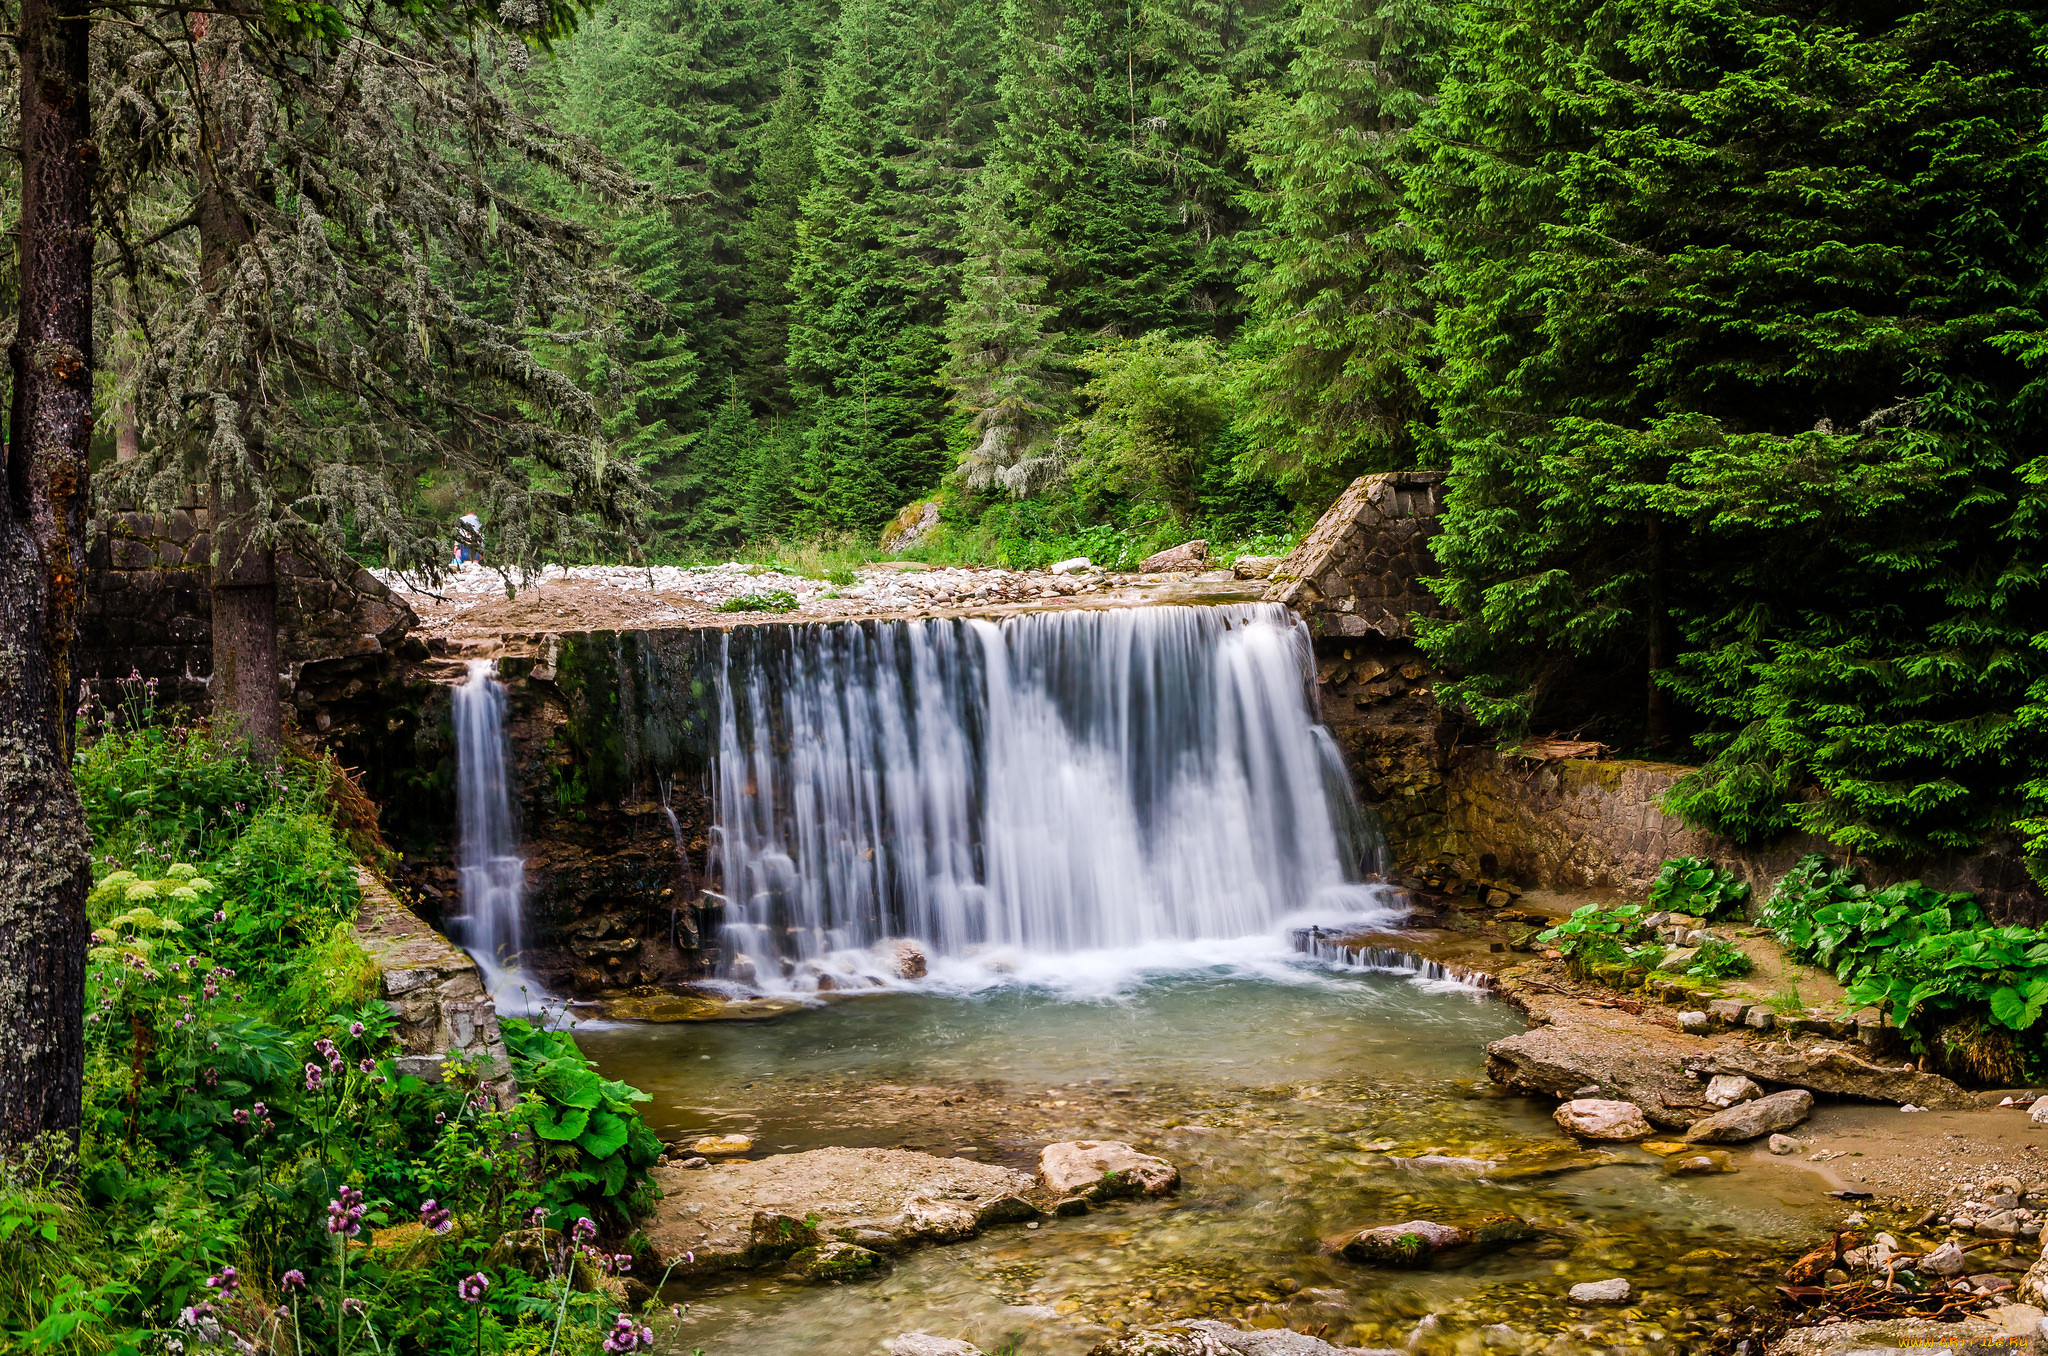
(491, 871)
(1054, 783)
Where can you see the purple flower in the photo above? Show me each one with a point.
(345, 1213)
(539, 1217)
(351, 1305)
(470, 1289)
(292, 1280)
(355, 1028)
(324, 1047)
(626, 1335)
(258, 1109)
(313, 1077)
(622, 1263)
(227, 1282)
(365, 1066)
(436, 1216)
(583, 1229)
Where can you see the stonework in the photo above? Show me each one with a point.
(1356, 581)
(433, 986)
(1360, 572)
(149, 607)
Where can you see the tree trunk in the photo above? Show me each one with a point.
(44, 846)
(245, 667)
(243, 691)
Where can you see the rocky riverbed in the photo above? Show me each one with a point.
(1294, 1111)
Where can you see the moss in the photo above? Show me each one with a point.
(835, 1264)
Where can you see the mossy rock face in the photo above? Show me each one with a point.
(1420, 1242)
(773, 1236)
(835, 1264)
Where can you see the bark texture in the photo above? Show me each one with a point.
(43, 841)
(245, 658)
(244, 686)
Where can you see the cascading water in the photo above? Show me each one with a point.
(490, 869)
(1055, 783)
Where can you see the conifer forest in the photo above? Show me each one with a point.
(766, 677)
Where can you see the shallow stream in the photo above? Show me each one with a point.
(1285, 1090)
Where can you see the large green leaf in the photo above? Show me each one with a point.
(570, 1082)
(605, 1136)
(613, 1171)
(571, 1124)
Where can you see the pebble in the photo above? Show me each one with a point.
(1784, 1144)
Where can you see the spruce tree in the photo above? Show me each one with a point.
(864, 340)
(1340, 278)
(1737, 375)
(1001, 365)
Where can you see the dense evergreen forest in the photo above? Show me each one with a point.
(1725, 316)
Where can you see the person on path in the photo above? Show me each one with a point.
(469, 538)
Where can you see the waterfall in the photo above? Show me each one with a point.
(490, 869)
(1054, 783)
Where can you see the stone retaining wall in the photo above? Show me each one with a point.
(1587, 823)
(434, 987)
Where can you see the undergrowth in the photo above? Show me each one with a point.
(253, 1170)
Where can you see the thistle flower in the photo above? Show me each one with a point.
(436, 1216)
(227, 1282)
(626, 1335)
(583, 1229)
(470, 1289)
(355, 1028)
(345, 1213)
(313, 1077)
(292, 1280)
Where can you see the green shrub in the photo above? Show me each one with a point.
(1594, 936)
(1692, 886)
(1930, 959)
(598, 1149)
(1717, 959)
(775, 600)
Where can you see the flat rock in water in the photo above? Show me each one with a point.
(722, 1146)
(1613, 1291)
(1753, 1120)
(1207, 1337)
(879, 1199)
(1104, 1169)
(1592, 1118)
(835, 1263)
(1419, 1241)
